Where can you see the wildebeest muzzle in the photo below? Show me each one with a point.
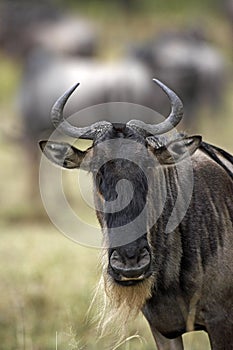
(130, 265)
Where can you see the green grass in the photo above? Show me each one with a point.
(46, 286)
(115, 9)
(47, 283)
(9, 72)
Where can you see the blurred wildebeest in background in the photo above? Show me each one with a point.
(72, 36)
(18, 20)
(25, 26)
(188, 63)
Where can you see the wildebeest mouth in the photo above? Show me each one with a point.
(131, 281)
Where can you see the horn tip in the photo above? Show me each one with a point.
(71, 90)
(164, 87)
(76, 85)
(158, 82)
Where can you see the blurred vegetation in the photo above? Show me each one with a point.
(47, 281)
(10, 73)
(113, 8)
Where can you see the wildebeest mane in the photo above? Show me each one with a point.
(210, 150)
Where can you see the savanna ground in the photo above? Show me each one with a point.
(47, 281)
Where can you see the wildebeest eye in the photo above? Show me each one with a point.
(177, 148)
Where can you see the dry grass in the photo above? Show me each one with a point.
(47, 283)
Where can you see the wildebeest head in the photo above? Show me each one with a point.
(120, 160)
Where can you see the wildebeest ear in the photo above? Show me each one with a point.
(178, 150)
(63, 154)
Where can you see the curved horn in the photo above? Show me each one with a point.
(170, 122)
(88, 132)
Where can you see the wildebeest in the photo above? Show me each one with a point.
(70, 35)
(44, 24)
(18, 21)
(181, 278)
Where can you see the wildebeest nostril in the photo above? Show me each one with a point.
(144, 257)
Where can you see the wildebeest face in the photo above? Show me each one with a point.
(120, 161)
(116, 160)
(121, 189)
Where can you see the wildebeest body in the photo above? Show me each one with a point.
(195, 262)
